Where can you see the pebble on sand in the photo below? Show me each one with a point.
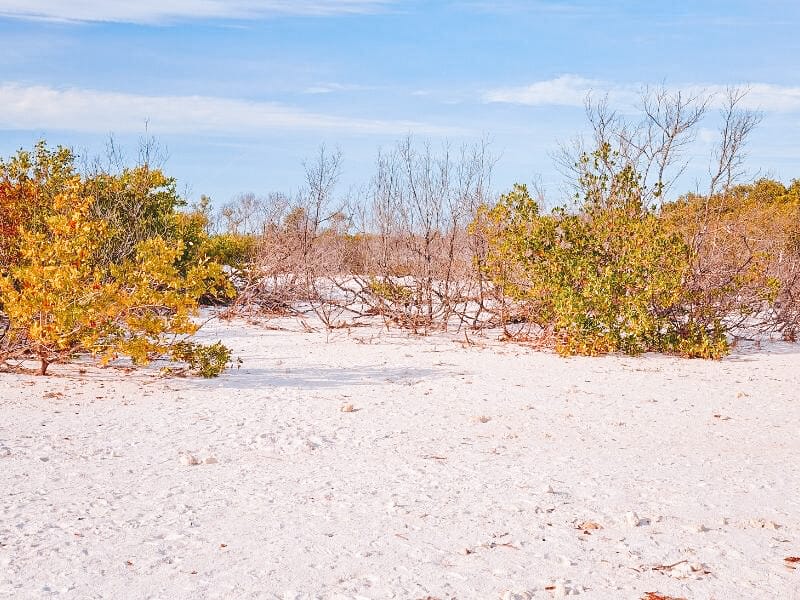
(189, 459)
(632, 519)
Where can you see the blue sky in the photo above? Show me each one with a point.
(239, 92)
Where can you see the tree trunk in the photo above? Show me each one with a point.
(43, 366)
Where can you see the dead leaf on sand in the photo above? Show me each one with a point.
(588, 526)
(657, 596)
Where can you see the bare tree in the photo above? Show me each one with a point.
(422, 271)
(652, 145)
(246, 214)
(729, 156)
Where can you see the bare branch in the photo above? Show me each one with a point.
(737, 123)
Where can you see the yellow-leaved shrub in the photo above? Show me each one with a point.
(746, 244)
(60, 298)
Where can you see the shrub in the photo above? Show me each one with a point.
(607, 278)
(232, 250)
(746, 253)
(59, 299)
(207, 361)
(29, 181)
(136, 204)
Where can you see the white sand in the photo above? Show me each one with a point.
(461, 472)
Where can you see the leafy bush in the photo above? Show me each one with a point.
(29, 181)
(59, 300)
(231, 249)
(207, 361)
(746, 244)
(607, 278)
(136, 204)
(118, 272)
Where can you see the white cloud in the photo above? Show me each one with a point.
(572, 90)
(510, 7)
(566, 90)
(41, 108)
(330, 88)
(766, 96)
(155, 11)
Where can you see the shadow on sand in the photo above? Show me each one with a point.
(316, 378)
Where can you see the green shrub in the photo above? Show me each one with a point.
(206, 361)
(137, 204)
(607, 278)
(59, 301)
(233, 250)
(390, 292)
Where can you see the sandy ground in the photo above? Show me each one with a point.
(488, 471)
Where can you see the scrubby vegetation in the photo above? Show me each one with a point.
(114, 263)
(102, 265)
(746, 254)
(619, 268)
(608, 278)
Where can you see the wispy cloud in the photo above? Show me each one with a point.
(572, 90)
(165, 11)
(566, 90)
(768, 97)
(40, 108)
(330, 88)
(527, 6)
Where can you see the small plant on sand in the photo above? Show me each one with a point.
(207, 361)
